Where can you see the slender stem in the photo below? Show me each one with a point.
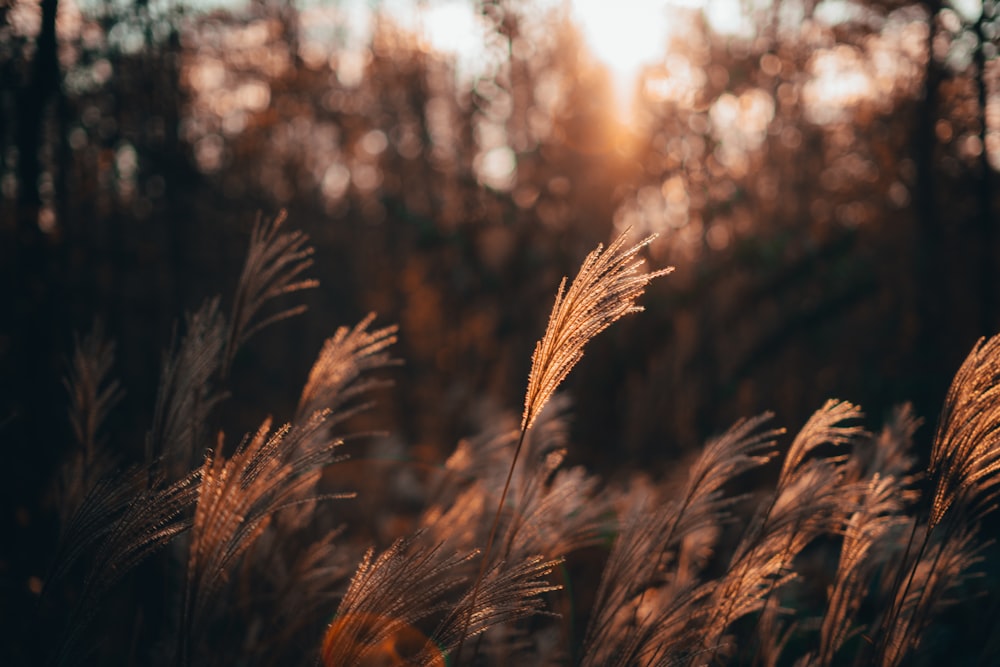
(919, 614)
(518, 519)
(895, 609)
(730, 603)
(659, 556)
(771, 586)
(489, 547)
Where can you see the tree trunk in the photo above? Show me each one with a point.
(987, 236)
(32, 101)
(928, 268)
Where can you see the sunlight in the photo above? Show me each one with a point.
(628, 36)
(625, 37)
(453, 27)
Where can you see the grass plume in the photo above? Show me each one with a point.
(237, 498)
(274, 266)
(845, 558)
(604, 290)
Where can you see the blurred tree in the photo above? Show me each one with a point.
(987, 29)
(823, 180)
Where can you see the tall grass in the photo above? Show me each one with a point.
(849, 558)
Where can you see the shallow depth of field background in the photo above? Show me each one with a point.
(822, 175)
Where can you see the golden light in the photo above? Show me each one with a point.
(453, 27)
(348, 635)
(625, 36)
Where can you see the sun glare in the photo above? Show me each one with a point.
(453, 27)
(624, 36)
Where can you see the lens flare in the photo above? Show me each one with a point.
(394, 650)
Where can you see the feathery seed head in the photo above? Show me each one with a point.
(605, 289)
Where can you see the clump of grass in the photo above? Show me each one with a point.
(605, 289)
(256, 569)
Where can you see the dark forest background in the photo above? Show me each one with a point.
(830, 240)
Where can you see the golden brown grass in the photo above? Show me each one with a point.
(256, 570)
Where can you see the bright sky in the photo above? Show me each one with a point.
(624, 35)
(630, 33)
